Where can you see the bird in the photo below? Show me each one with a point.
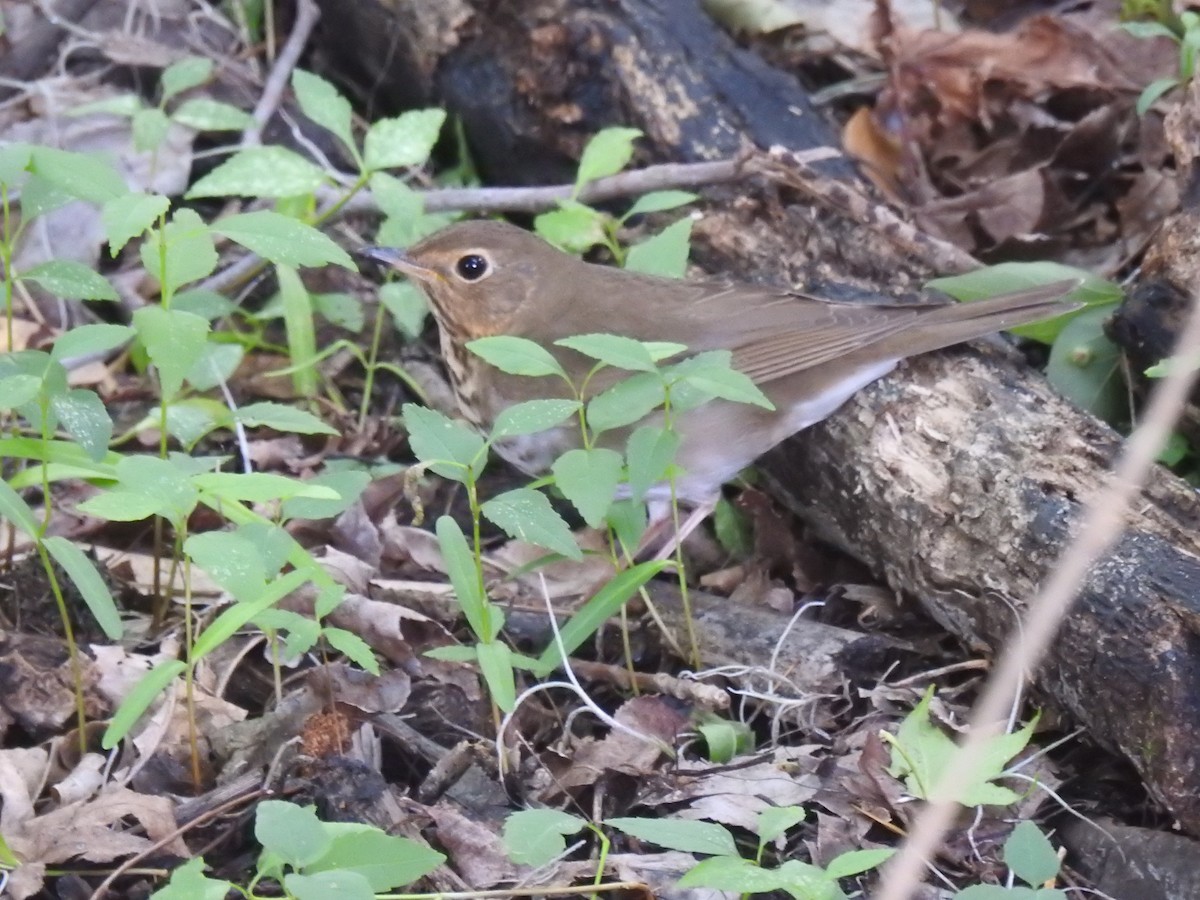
(808, 355)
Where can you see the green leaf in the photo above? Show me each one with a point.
(39, 197)
(626, 402)
(83, 415)
(321, 102)
(776, 821)
(856, 861)
(205, 303)
(437, 439)
(534, 837)
(722, 738)
(996, 892)
(117, 105)
(188, 882)
(14, 163)
(301, 330)
(90, 583)
(70, 280)
(83, 340)
(404, 141)
(16, 510)
(191, 419)
(282, 239)
(260, 172)
(1175, 450)
(1152, 92)
(684, 835)
(665, 254)
(129, 216)
(352, 647)
(732, 874)
(259, 487)
(148, 689)
(710, 373)
(206, 114)
(495, 664)
(463, 571)
(292, 832)
(1030, 854)
(282, 417)
(651, 451)
(348, 484)
(1019, 276)
(78, 174)
(526, 515)
(407, 304)
(341, 309)
(386, 861)
(595, 612)
(173, 341)
(333, 885)
(614, 350)
(572, 227)
(121, 506)
(659, 201)
(1085, 366)
(150, 128)
(184, 74)
(589, 479)
(532, 417)
(216, 364)
(1149, 30)
(607, 153)
(516, 356)
(186, 248)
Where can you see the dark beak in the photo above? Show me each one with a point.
(396, 259)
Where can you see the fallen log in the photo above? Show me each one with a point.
(959, 477)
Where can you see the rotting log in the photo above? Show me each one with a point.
(959, 478)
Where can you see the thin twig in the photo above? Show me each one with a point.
(1102, 523)
(307, 14)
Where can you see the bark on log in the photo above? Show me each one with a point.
(960, 477)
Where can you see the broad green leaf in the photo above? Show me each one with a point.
(532, 417)
(404, 141)
(1149, 30)
(188, 882)
(437, 439)
(216, 364)
(191, 419)
(282, 239)
(1152, 92)
(595, 612)
(235, 617)
(776, 821)
(731, 874)
(150, 128)
(998, 892)
(300, 327)
(1030, 854)
(572, 227)
(659, 201)
(293, 832)
(534, 837)
(724, 739)
(1011, 277)
(710, 373)
(353, 648)
(651, 451)
(495, 664)
(684, 835)
(626, 402)
(341, 309)
(206, 114)
(16, 510)
(386, 861)
(39, 196)
(856, 861)
(260, 172)
(805, 881)
(613, 350)
(90, 583)
(83, 415)
(464, 576)
(526, 515)
(230, 560)
(173, 341)
(459, 653)
(516, 356)
(205, 303)
(589, 479)
(18, 389)
(282, 417)
(396, 199)
(259, 487)
(121, 506)
(184, 74)
(407, 304)
(321, 102)
(87, 339)
(332, 885)
(184, 247)
(14, 163)
(607, 153)
(78, 174)
(117, 105)
(129, 216)
(148, 689)
(70, 280)
(664, 254)
(348, 484)
(1085, 366)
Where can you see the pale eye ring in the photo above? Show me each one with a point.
(471, 267)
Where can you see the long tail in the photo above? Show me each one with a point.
(954, 323)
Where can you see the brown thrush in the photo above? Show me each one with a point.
(807, 355)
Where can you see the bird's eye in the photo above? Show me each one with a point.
(471, 267)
